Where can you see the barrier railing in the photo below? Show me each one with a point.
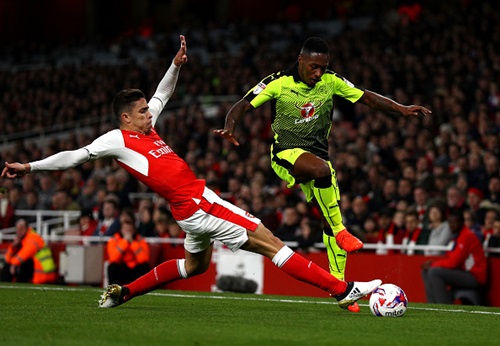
(66, 217)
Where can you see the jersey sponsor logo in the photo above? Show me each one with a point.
(134, 136)
(258, 89)
(163, 149)
(307, 111)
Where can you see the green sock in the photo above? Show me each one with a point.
(327, 196)
(336, 257)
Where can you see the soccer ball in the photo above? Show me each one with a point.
(388, 300)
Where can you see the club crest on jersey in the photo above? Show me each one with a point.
(258, 89)
(249, 215)
(307, 111)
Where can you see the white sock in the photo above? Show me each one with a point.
(282, 256)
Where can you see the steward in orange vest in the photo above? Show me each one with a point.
(28, 259)
(128, 252)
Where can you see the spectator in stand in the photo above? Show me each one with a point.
(311, 232)
(420, 197)
(146, 227)
(46, 191)
(386, 198)
(110, 223)
(370, 228)
(391, 231)
(116, 187)
(289, 228)
(88, 224)
(472, 224)
(493, 192)
(405, 190)
(412, 233)
(437, 230)
(423, 176)
(128, 252)
(88, 194)
(474, 198)
(30, 202)
(455, 199)
(494, 239)
(356, 216)
(487, 226)
(167, 228)
(61, 200)
(28, 259)
(476, 173)
(6, 210)
(464, 267)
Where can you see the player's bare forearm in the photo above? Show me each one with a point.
(379, 102)
(233, 118)
(235, 114)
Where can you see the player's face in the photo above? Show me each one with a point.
(312, 67)
(140, 118)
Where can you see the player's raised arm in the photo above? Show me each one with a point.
(181, 56)
(167, 85)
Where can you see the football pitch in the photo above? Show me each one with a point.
(59, 315)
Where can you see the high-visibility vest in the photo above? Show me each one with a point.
(131, 254)
(33, 246)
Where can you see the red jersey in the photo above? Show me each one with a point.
(467, 254)
(150, 160)
(146, 156)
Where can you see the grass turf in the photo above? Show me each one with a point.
(53, 315)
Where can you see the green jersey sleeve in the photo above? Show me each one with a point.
(267, 89)
(346, 89)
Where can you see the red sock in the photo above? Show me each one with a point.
(160, 275)
(304, 270)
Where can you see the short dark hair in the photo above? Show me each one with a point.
(315, 45)
(124, 99)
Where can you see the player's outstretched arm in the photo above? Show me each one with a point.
(379, 102)
(60, 161)
(233, 118)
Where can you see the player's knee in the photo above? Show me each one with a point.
(323, 182)
(321, 170)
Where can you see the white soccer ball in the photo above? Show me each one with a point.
(388, 300)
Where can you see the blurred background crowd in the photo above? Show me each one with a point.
(398, 177)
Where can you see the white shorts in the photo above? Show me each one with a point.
(217, 219)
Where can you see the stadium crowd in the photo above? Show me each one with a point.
(398, 177)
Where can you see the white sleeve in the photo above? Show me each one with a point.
(164, 91)
(106, 145)
(62, 160)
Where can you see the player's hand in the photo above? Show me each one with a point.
(15, 170)
(181, 56)
(227, 135)
(416, 111)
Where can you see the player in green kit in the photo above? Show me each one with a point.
(302, 101)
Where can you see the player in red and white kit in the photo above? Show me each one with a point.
(201, 213)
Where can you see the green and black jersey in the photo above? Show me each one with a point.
(302, 115)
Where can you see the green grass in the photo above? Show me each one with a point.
(53, 315)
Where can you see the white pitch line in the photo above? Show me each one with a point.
(262, 299)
